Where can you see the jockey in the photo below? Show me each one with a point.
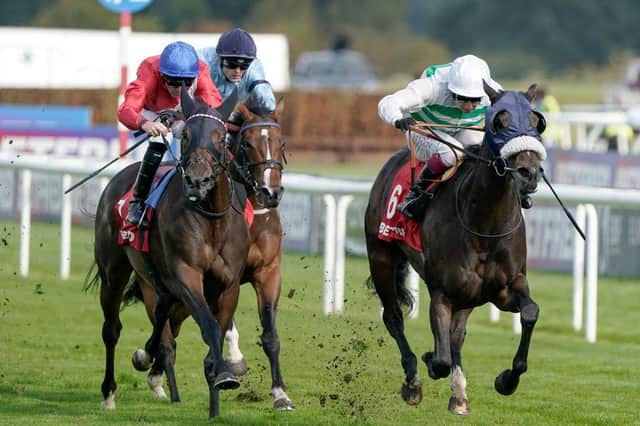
(445, 94)
(233, 64)
(157, 88)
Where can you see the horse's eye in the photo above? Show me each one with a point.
(501, 121)
(537, 121)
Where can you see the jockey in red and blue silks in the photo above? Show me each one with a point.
(157, 88)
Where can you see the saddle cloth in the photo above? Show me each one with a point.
(393, 224)
(138, 238)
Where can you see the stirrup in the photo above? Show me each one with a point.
(414, 208)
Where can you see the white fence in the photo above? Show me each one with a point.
(337, 194)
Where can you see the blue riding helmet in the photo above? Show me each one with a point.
(179, 60)
(236, 43)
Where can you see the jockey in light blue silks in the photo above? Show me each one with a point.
(233, 65)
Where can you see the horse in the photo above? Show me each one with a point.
(260, 156)
(198, 244)
(474, 247)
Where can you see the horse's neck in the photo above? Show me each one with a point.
(219, 198)
(487, 200)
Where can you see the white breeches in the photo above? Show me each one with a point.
(427, 146)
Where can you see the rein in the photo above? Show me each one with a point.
(499, 164)
(480, 234)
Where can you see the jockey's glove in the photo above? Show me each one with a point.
(404, 123)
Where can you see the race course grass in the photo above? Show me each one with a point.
(339, 369)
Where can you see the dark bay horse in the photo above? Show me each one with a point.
(475, 250)
(260, 154)
(198, 245)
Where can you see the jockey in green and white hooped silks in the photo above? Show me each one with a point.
(449, 94)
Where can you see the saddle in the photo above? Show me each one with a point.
(393, 224)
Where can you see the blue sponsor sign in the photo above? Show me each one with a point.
(119, 6)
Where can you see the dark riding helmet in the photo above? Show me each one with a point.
(179, 60)
(236, 43)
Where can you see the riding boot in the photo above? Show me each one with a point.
(148, 168)
(416, 202)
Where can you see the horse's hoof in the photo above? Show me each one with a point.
(238, 368)
(506, 383)
(283, 404)
(437, 370)
(109, 402)
(155, 384)
(226, 380)
(459, 406)
(411, 392)
(141, 360)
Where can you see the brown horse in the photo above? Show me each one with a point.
(260, 149)
(198, 244)
(474, 247)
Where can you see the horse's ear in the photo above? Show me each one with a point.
(531, 93)
(187, 103)
(244, 111)
(279, 109)
(228, 105)
(491, 92)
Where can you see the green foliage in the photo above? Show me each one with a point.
(342, 369)
(561, 35)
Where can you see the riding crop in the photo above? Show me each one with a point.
(122, 154)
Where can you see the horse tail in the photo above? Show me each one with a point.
(404, 295)
(91, 282)
(132, 293)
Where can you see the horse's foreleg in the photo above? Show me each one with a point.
(267, 286)
(507, 382)
(458, 403)
(439, 362)
(235, 358)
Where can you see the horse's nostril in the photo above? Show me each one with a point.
(525, 172)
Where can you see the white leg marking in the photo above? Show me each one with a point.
(155, 384)
(109, 402)
(233, 340)
(458, 383)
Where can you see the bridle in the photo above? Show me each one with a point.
(247, 170)
(219, 168)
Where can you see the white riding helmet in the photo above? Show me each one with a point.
(466, 75)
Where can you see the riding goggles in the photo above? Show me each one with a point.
(233, 63)
(177, 81)
(464, 99)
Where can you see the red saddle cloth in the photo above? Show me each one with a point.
(393, 224)
(138, 239)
